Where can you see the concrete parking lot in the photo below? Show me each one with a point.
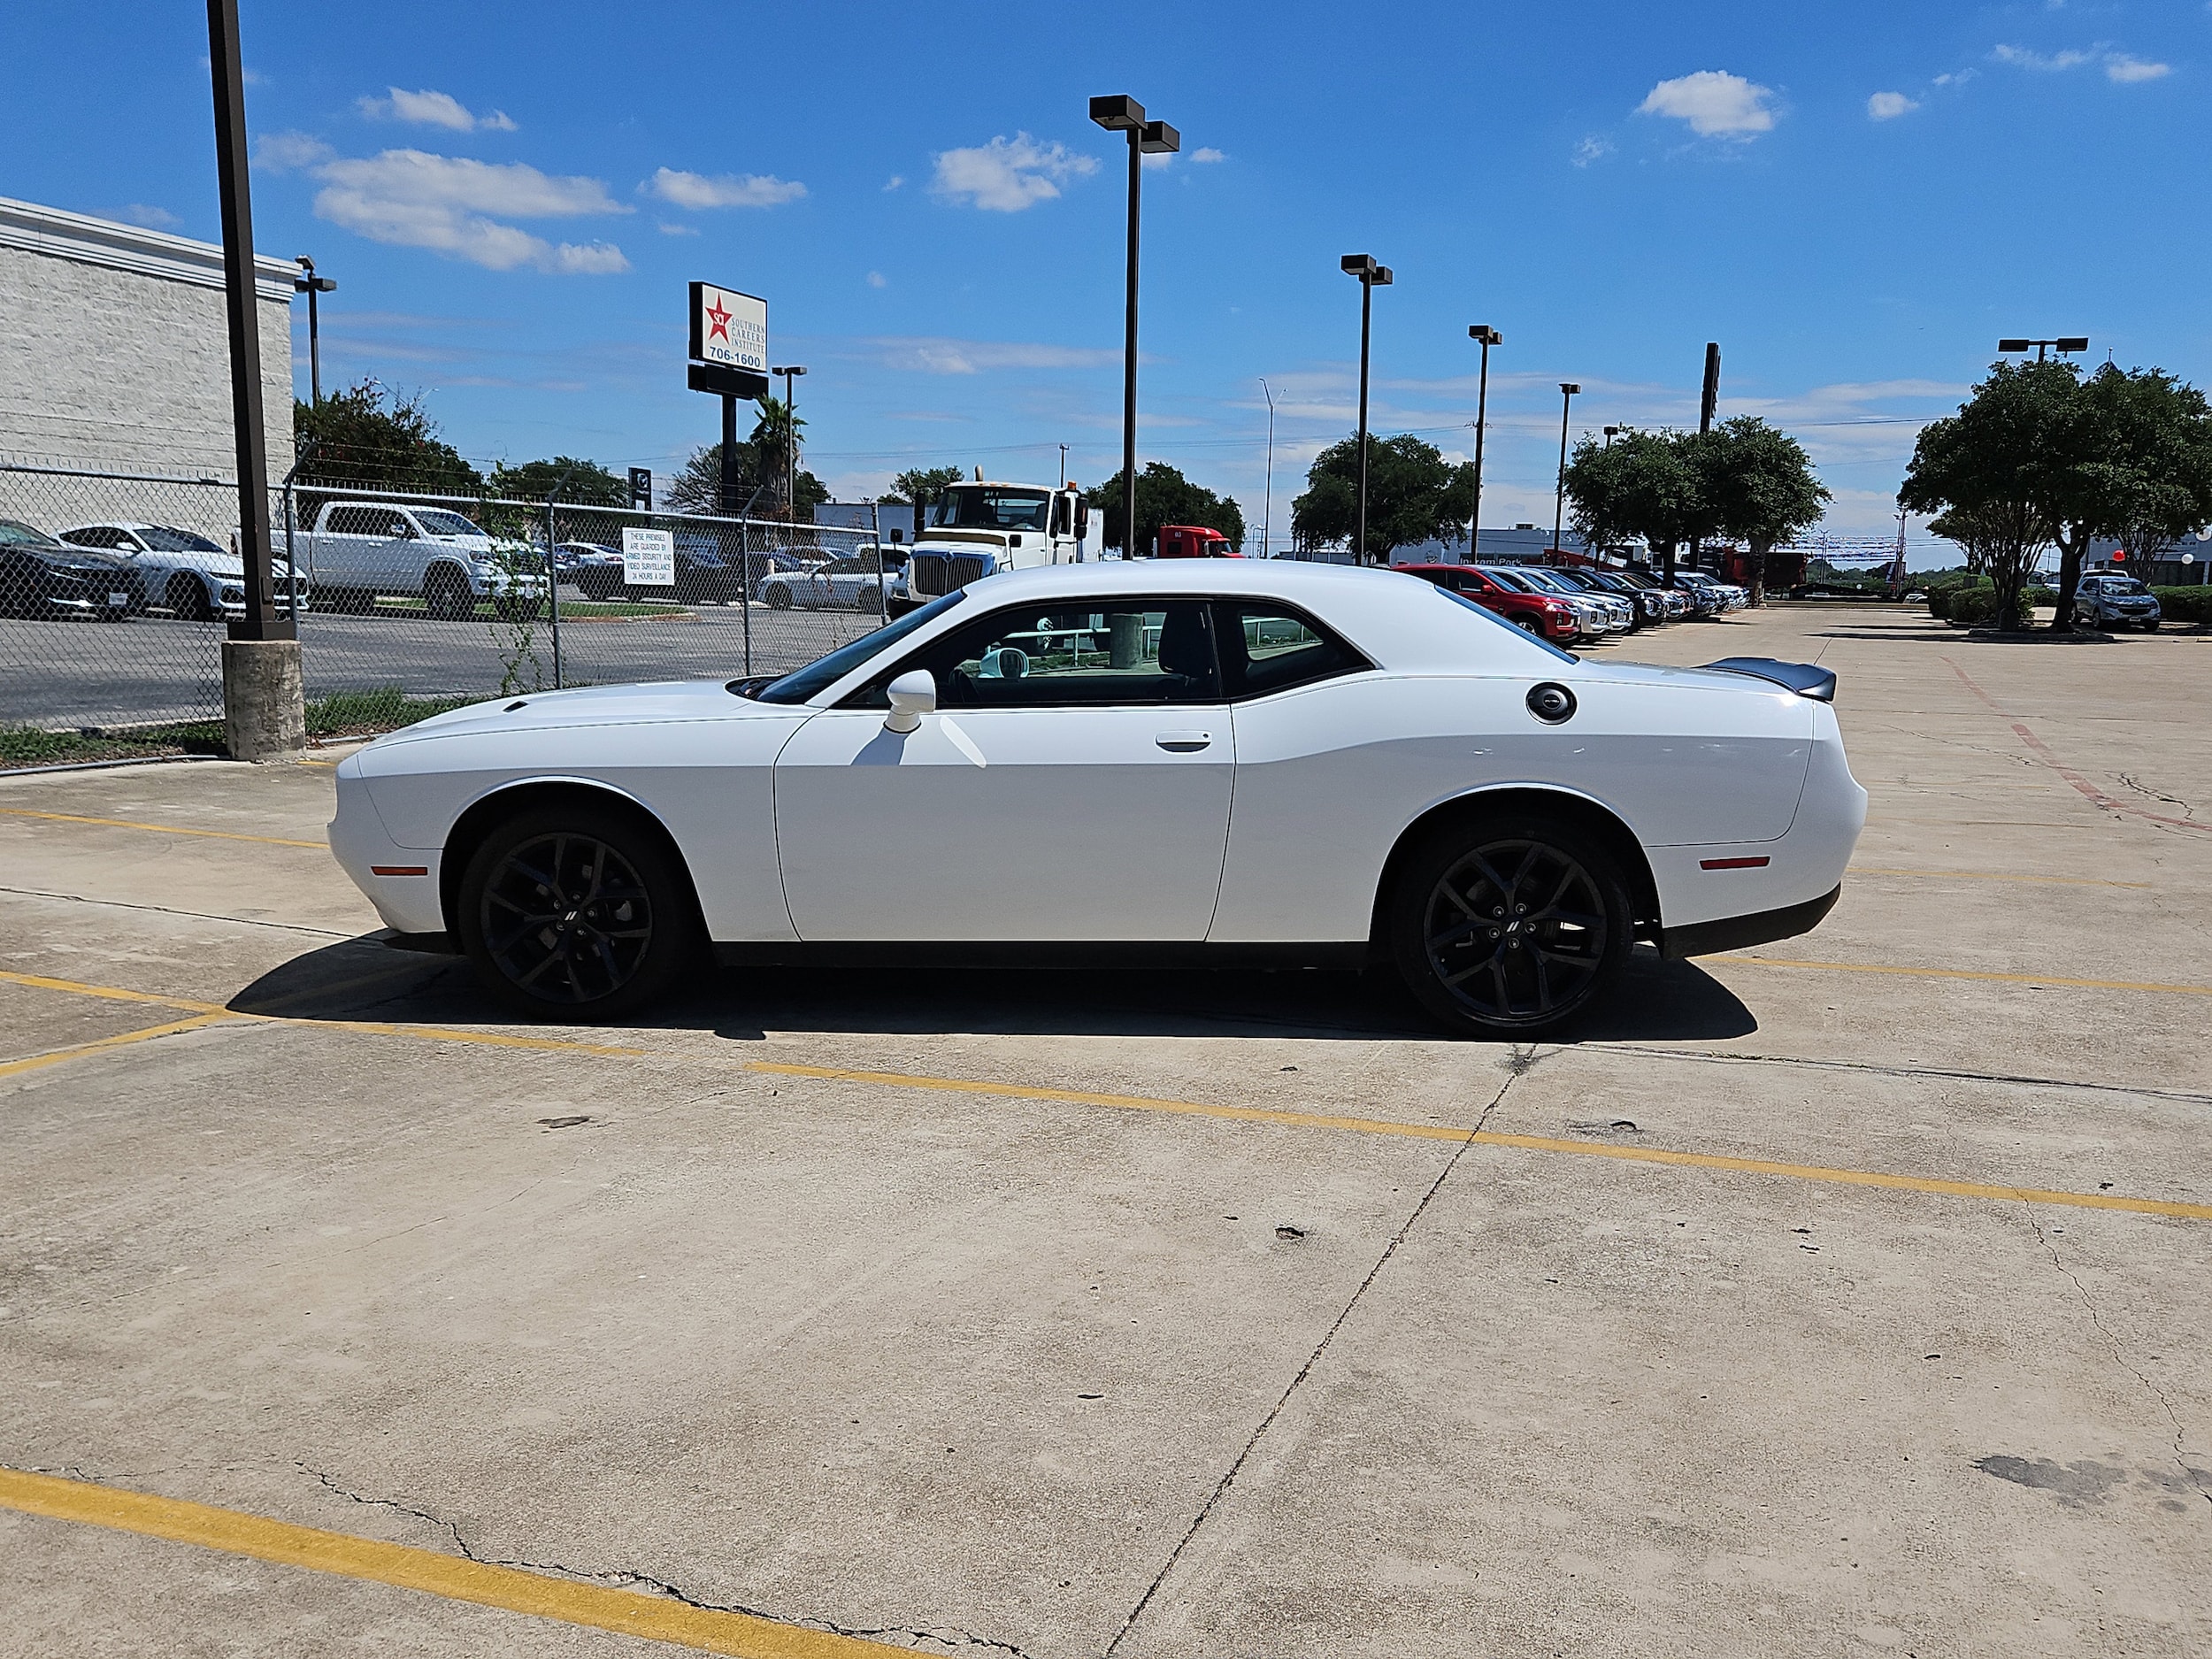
(1845, 1296)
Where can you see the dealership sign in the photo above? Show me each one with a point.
(728, 328)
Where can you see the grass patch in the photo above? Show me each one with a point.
(27, 746)
(385, 708)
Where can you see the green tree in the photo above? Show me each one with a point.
(1646, 487)
(1165, 496)
(697, 485)
(1414, 495)
(759, 465)
(583, 483)
(918, 486)
(367, 437)
(1757, 482)
(2153, 440)
(1999, 476)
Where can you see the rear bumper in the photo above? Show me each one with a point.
(1739, 932)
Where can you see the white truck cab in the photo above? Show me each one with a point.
(359, 549)
(979, 528)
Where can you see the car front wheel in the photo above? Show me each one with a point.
(1509, 926)
(578, 910)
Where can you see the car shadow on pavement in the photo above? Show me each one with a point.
(359, 979)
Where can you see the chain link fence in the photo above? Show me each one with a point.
(114, 588)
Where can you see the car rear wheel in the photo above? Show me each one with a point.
(187, 599)
(1509, 926)
(446, 597)
(778, 597)
(577, 911)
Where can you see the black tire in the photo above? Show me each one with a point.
(612, 946)
(446, 597)
(1509, 926)
(187, 598)
(1529, 625)
(778, 597)
(867, 601)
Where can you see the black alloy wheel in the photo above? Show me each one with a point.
(188, 599)
(446, 597)
(1528, 624)
(579, 912)
(1509, 927)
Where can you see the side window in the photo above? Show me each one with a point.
(1101, 654)
(94, 536)
(350, 521)
(395, 527)
(1272, 648)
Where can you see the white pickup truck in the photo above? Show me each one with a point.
(359, 549)
(979, 528)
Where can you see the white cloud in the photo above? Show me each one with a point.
(2021, 57)
(877, 279)
(1007, 174)
(2122, 67)
(897, 180)
(281, 153)
(667, 229)
(1207, 153)
(444, 202)
(427, 107)
(936, 356)
(1887, 106)
(152, 218)
(697, 190)
(1595, 147)
(1715, 103)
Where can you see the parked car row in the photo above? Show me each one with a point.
(1577, 604)
(116, 569)
(705, 574)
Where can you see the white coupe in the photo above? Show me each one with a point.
(1216, 760)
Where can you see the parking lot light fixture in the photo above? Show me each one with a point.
(1567, 390)
(1121, 113)
(2060, 344)
(308, 283)
(1484, 337)
(1372, 276)
(790, 439)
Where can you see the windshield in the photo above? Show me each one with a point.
(1512, 582)
(164, 540)
(988, 507)
(435, 523)
(14, 534)
(818, 676)
(2123, 585)
(1496, 620)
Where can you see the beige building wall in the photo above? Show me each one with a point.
(115, 350)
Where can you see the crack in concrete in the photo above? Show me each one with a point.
(949, 1637)
(1517, 1063)
(2112, 1343)
(1715, 1056)
(2156, 795)
(169, 909)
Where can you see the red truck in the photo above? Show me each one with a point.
(1547, 619)
(1194, 542)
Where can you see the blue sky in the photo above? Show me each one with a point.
(1855, 201)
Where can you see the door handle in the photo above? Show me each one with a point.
(1184, 742)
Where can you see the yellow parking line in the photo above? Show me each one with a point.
(162, 829)
(457, 1579)
(1493, 1138)
(9, 1068)
(433, 1033)
(1967, 973)
(1998, 875)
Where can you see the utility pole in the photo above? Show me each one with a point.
(1267, 502)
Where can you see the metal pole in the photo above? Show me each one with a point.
(1482, 409)
(314, 344)
(1366, 310)
(553, 575)
(1267, 503)
(291, 522)
(1559, 501)
(875, 528)
(1129, 359)
(791, 446)
(728, 502)
(242, 304)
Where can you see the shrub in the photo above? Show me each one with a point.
(1977, 607)
(2185, 605)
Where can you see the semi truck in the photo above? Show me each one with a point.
(978, 528)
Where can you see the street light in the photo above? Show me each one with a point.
(1612, 433)
(1267, 501)
(1484, 337)
(308, 283)
(1567, 390)
(1372, 276)
(2063, 344)
(1122, 114)
(791, 440)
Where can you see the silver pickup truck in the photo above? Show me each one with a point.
(360, 549)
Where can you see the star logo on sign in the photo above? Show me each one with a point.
(720, 318)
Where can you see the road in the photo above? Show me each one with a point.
(78, 675)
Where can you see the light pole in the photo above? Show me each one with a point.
(308, 283)
(1267, 501)
(1567, 390)
(1122, 114)
(1612, 433)
(1484, 337)
(2063, 344)
(791, 440)
(1372, 276)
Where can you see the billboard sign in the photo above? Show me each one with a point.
(649, 558)
(729, 328)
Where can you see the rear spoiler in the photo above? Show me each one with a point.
(1806, 680)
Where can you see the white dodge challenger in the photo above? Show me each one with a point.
(1213, 761)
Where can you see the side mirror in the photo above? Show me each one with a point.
(912, 695)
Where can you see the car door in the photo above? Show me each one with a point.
(1072, 785)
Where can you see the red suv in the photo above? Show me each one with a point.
(1546, 618)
